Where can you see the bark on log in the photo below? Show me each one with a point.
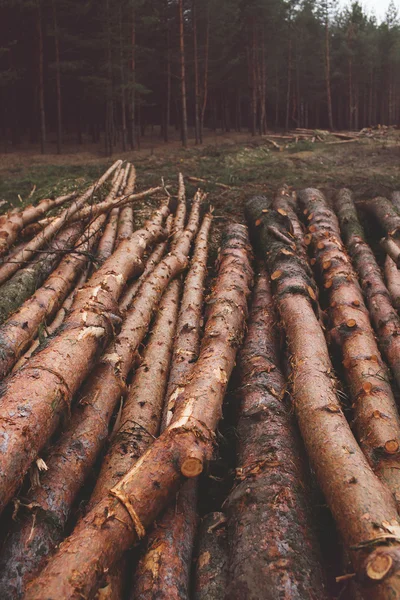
(107, 242)
(12, 224)
(21, 328)
(153, 260)
(8, 269)
(125, 223)
(180, 217)
(33, 539)
(211, 576)
(43, 389)
(389, 219)
(26, 281)
(383, 316)
(273, 550)
(396, 200)
(363, 507)
(164, 569)
(376, 420)
(392, 277)
(119, 520)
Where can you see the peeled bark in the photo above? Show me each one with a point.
(179, 222)
(43, 389)
(107, 242)
(376, 419)
(116, 522)
(164, 569)
(389, 220)
(273, 550)
(384, 317)
(363, 507)
(12, 224)
(23, 284)
(211, 576)
(392, 277)
(8, 269)
(34, 537)
(18, 331)
(153, 260)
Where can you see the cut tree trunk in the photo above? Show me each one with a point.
(396, 200)
(363, 507)
(22, 327)
(389, 220)
(125, 223)
(180, 217)
(116, 522)
(170, 544)
(12, 224)
(377, 422)
(211, 575)
(272, 542)
(384, 317)
(107, 242)
(44, 387)
(392, 277)
(8, 269)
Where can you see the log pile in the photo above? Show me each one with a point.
(116, 371)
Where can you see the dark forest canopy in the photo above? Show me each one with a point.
(105, 70)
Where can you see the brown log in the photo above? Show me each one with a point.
(107, 242)
(153, 260)
(377, 422)
(272, 542)
(34, 537)
(363, 507)
(119, 520)
(125, 222)
(211, 575)
(384, 317)
(180, 217)
(43, 389)
(25, 282)
(8, 269)
(21, 328)
(395, 198)
(164, 569)
(56, 322)
(389, 220)
(12, 223)
(392, 277)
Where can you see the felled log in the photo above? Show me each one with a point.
(272, 542)
(377, 422)
(181, 451)
(392, 278)
(363, 507)
(211, 575)
(125, 222)
(395, 198)
(389, 220)
(384, 317)
(107, 242)
(44, 387)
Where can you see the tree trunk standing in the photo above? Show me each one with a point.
(168, 85)
(41, 79)
(196, 75)
(58, 78)
(133, 80)
(122, 71)
(253, 70)
(183, 75)
(205, 80)
(109, 124)
(289, 81)
(328, 70)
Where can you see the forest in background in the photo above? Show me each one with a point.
(110, 71)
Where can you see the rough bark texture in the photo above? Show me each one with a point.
(396, 200)
(36, 397)
(273, 551)
(34, 538)
(125, 223)
(107, 242)
(389, 220)
(151, 263)
(180, 216)
(8, 269)
(392, 277)
(363, 507)
(211, 576)
(117, 521)
(376, 419)
(383, 316)
(12, 223)
(164, 569)
(21, 328)
(25, 282)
